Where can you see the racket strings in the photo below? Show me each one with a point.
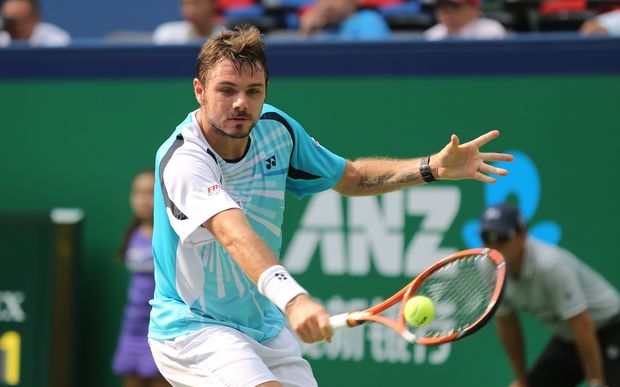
(461, 292)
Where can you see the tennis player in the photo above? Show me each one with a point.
(577, 304)
(221, 296)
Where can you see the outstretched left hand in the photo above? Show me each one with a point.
(456, 162)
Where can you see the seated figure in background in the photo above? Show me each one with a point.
(343, 19)
(199, 24)
(461, 19)
(604, 24)
(21, 23)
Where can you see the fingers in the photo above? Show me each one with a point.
(484, 169)
(480, 141)
(487, 156)
(315, 329)
(489, 169)
(484, 178)
(454, 142)
(309, 320)
(454, 139)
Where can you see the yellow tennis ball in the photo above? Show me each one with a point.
(419, 311)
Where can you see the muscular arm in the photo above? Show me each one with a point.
(511, 336)
(231, 228)
(378, 175)
(588, 346)
(234, 232)
(455, 161)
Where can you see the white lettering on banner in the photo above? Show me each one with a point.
(11, 306)
(372, 341)
(371, 234)
(375, 232)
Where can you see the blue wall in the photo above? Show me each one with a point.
(95, 19)
(535, 54)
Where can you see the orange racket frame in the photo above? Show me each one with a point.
(353, 319)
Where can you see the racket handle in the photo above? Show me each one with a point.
(339, 321)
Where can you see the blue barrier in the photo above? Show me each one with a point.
(522, 55)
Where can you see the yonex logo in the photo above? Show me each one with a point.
(271, 162)
(281, 276)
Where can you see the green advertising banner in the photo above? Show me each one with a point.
(78, 144)
(25, 300)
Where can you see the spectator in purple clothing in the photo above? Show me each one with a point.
(133, 360)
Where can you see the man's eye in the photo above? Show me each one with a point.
(227, 91)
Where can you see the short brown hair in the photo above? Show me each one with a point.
(243, 47)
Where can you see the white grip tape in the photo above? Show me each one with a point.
(339, 321)
(279, 286)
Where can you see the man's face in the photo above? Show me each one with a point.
(141, 197)
(232, 101)
(197, 11)
(510, 245)
(335, 11)
(454, 15)
(19, 10)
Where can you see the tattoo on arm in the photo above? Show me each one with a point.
(387, 180)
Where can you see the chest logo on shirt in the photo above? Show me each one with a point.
(271, 162)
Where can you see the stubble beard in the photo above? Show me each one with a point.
(239, 133)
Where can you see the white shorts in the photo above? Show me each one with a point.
(222, 356)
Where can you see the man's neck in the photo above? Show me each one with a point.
(227, 147)
(205, 29)
(25, 30)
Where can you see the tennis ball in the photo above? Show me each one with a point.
(419, 311)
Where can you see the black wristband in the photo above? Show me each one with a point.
(425, 170)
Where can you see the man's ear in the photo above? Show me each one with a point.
(199, 92)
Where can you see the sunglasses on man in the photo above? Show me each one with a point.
(493, 237)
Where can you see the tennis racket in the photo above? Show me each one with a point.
(465, 289)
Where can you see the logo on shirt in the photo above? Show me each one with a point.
(215, 188)
(270, 162)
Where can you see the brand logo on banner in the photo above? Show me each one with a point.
(522, 185)
(11, 306)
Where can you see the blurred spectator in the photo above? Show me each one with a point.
(133, 359)
(21, 23)
(343, 19)
(604, 24)
(199, 24)
(461, 19)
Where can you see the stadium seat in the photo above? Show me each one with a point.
(407, 16)
(399, 9)
(379, 3)
(551, 6)
(226, 4)
(295, 4)
(244, 12)
(563, 15)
